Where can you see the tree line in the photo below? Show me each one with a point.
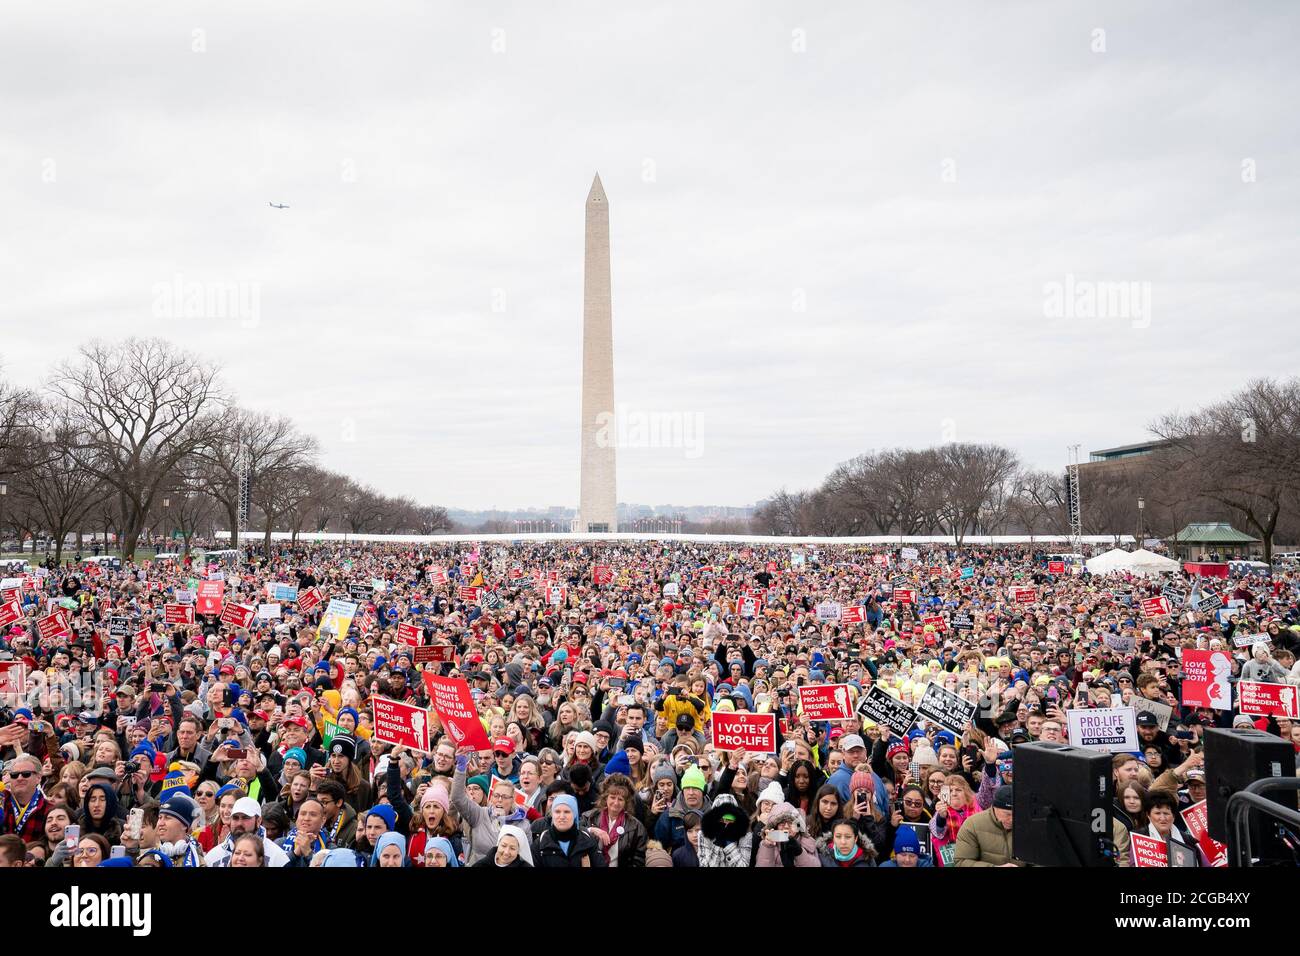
(137, 439)
(1235, 460)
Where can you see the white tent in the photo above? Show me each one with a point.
(1141, 562)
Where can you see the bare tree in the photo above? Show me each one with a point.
(141, 406)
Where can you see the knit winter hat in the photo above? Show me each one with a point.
(861, 780)
(664, 772)
(694, 777)
(386, 813)
(566, 800)
(786, 813)
(437, 795)
(772, 793)
(905, 841)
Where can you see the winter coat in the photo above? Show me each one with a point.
(828, 859)
(983, 841)
(944, 829)
(632, 842)
(722, 844)
(804, 853)
(584, 850)
(485, 826)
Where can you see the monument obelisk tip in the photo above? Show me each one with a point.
(597, 193)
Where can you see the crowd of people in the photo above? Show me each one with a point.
(597, 669)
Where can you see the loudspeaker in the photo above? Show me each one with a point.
(1063, 805)
(1234, 759)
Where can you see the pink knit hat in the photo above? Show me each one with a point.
(435, 794)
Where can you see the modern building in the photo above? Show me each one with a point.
(597, 492)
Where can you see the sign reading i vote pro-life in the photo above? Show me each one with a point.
(742, 731)
(1109, 729)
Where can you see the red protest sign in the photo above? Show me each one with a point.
(1197, 818)
(309, 600)
(1260, 699)
(144, 643)
(178, 613)
(11, 594)
(515, 573)
(937, 622)
(602, 574)
(404, 725)
(468, 593)
(437, 576)
(13, 677)
(1055, 567)
(745, 731)
(431, 653)
(238, 615)
(410, 634)
(520, 798)
(1023, 595)
(748, 606)
(455, 708)
(1205, 679)
(53, 625)
(556, 594)
(10, 611)
(1148, 851)
(1156, 607)
(702, 594)
(904, 596)
(209, 597)
(853, 614)
(825, 701)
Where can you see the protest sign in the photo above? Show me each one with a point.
(945, 708)
(1197, 818)
(209, 597)
(1108, 729)
(879, 707)
(183, 595)
(909, 554)
(672, 589)
(1207, 601)
(1148, 851)
(361, 592)
(963, 621)
(1055, 567)
(748, 606)
(238, 615)
(1023, 595)
(1206, 679)
(904, 596)
(431, 653)
(828, 611)
(404, 725)
(557, 594)
(10, 611)
(1260, 699)
(452, 702)
(143, 642)
(337, 619)
(1156, 607)
(520, 798)
(853, 614)
(825, 701)
(119, 626)
(268, 612)
(935, 621)
(602, 574)
(1249, 640)
(1120, 643)
(410, 634)
(178, 613)
(468, 593)
(13, 678)
(309, 600)
(53, 625)
(744, 731)
(1159, 709)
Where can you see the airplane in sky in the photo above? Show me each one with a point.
(277, 205)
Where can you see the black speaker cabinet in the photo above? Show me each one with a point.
(1063, 805)
(1234, 759)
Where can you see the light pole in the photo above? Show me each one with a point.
(4, 493)
(167, 504)
(1142, 538)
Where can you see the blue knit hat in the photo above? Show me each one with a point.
(906, 842)
(566, 800)
(385, 813)
(298, 754)
(618, 764)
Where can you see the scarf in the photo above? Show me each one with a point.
(287, 843)
(614, 827)
(20, 814)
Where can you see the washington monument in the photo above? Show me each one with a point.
(597, 495)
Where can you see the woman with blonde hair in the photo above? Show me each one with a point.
(566, 721)
(956, 804)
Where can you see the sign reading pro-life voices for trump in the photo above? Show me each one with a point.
(1108, 729)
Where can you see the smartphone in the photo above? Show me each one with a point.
(626, 700)
(72, 835)
(617, 683)
(779, 836)
(135, 822)
(235, 754)
(117, 852)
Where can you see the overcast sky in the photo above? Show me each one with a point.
(834, 226)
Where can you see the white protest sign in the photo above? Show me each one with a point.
(1109, 729)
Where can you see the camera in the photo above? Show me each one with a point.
(133, 767)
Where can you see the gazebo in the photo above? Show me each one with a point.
(1213, 541)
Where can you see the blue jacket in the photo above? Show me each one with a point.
(840, 780)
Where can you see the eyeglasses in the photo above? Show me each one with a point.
(20, 774)
(913, 803)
